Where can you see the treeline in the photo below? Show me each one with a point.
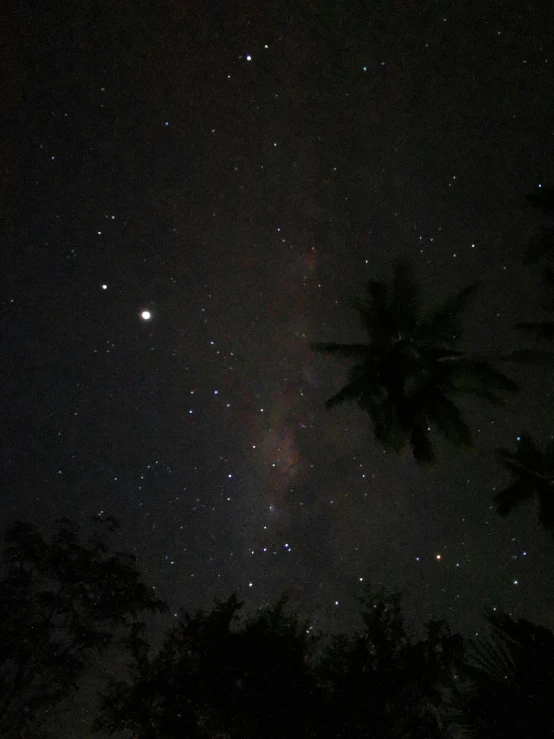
(225, 674)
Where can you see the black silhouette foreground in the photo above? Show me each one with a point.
(224, 675)
(409, 374)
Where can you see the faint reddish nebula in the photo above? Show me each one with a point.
(272, 436)
(310, 259)
(282, 459)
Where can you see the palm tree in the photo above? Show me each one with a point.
(406, 375)
(533, 472)
(507, 682)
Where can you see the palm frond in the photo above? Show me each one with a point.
(527, 457)
(512, 496)
(362, 308)
(541, 330)
(443, 322)
(490, 396)
(442, 354)
(472, 376)
(510, 681)
(379, 320)
(446, 416)
(546, 509)
(528, 356)
(345, 350)
(490, 657)
(404, 298)
(390, 428)
(533, 471)
(517, 468)
(350, 392)
(516, 356)
(422, 446)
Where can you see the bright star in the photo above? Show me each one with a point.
(146, 315)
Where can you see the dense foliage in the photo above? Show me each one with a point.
(62, 600)
(223, 674)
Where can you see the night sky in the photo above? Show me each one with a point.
(239, 170)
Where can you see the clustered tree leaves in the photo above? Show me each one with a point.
(61, 600)
(215, 678)
(267, 676)
(383, 683)
(222, 675)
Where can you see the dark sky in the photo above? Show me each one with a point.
(240, 170)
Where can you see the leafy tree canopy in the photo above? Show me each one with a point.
(61, 600)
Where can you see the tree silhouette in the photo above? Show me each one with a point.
(60, 601)
(408, 373)
(380, 683)
(215, 677)
(509, 681)
(533, 472)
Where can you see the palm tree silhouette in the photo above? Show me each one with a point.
(507, 682)
(533, 472)
(407, 373)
